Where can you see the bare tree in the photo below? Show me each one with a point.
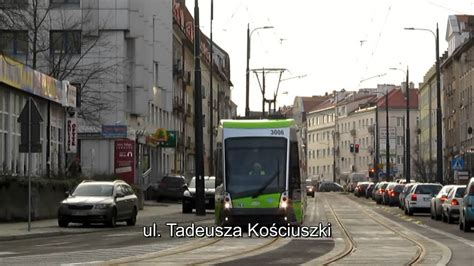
(63, 47)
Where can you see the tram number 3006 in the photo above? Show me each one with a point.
(278, 132)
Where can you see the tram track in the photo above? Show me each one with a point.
(351, 243)
(190, 250)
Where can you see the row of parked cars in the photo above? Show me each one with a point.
(449, 203)
(175, 187)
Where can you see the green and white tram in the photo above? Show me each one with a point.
(260, 177)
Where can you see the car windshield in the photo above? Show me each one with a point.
(255, 165)
(460, 192)
(428, 189)
(208, 183)
(94, 190)
(399, 188)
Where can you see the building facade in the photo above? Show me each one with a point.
(52, 97)
(457, 80)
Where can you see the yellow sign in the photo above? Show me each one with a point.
(161, 135)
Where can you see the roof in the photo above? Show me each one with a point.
(309, 103)
(396, 99)
(258, 123)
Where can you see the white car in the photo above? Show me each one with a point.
(437, 202)
(452, 203)
(419, 198)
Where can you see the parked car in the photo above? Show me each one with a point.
(368, 190)
(189, 194)
(171, 187)
(99, 202)
(391, 194)
(450, 207)
(419, 198)
(466, 212)
(403, 195)
(330, 187)
(310, 187)
(374, 191)
(437, 202)
(359, 190)
(380, 191)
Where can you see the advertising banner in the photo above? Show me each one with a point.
(125, 160)
(71, 134)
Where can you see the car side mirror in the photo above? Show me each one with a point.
(185, 187)
(119, 195)
(66, 194)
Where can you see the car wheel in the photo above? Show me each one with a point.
(443, 217)
(187, 208)
(133, 220)
(312, 195)
(449, 219)
(467, 226)
(113, 219)
(63, 223)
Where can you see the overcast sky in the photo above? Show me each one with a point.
(335, 43)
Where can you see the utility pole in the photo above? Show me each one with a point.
(211, 103)
(247, 108)
(199, 162)
(407, 134)
(387, 145)
(439, 131)
(377, 143)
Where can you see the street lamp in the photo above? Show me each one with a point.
(439, 146)
(249, 35)
(407, 128)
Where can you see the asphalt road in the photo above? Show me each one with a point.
(126, 242)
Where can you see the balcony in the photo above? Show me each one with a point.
(187, 77)
(178, 69)
(188, 110)
(371, 129)
(177, 105)
(353, 132)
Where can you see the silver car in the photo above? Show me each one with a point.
(452, 203)
(436, 202)
(99, 202)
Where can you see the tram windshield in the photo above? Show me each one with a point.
(255, 165)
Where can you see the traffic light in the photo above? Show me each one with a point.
(357, 148)
(352, 147)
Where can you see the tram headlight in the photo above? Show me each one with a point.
(227, 201)
(284, 200)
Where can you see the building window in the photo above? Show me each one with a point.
(64, 2)
(13, 42)
(155, 74)
(65, 42)
(13, 3)
(399, 121)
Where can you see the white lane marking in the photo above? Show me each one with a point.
(125, 234)
(52, 244)
(82, 263)
(4, 253)
(455, 237)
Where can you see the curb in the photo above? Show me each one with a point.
(61, 233)
(48, 234)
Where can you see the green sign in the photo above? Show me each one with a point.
(171, 140)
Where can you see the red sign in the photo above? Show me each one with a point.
(71, 136)
(125, 160)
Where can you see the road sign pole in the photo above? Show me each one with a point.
(29, 164)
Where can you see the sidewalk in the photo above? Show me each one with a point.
(49, 227)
